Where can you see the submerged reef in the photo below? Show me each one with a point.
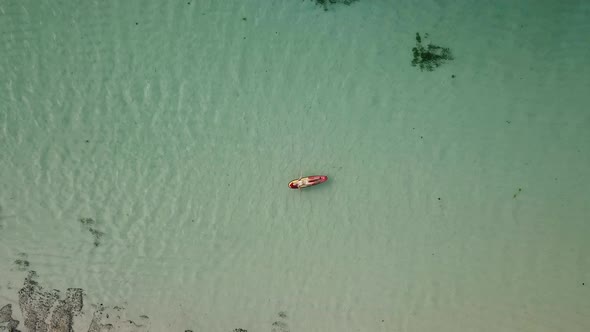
(7, 323)
(325, 3)
(51, 310)
(431, 56)
(37, 305)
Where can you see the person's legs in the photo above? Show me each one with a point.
(303, 183)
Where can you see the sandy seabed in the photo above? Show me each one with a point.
(146, 150)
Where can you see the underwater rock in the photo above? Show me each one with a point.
(50, 311)
(431, 56)
(63, 314)
(35, 304)
(7, 323)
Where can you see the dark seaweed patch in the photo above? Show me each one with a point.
(280, 325)
(517, 193)
(87, 221)
(326, 3)
(22, 264)
(97, 236)
(90, 224)
(431, 56)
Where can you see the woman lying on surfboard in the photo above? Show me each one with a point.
(307, 181)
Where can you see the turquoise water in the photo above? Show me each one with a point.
(146, 149)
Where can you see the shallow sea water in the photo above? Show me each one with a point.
(146, 147)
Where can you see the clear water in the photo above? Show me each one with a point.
(146, 148)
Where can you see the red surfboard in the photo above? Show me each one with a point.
(307, 181)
